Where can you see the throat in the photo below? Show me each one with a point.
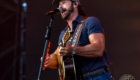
(70, 27)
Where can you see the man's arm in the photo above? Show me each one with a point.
(94, 49)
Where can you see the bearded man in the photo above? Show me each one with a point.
(90, 56)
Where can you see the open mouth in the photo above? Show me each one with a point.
(63, 11)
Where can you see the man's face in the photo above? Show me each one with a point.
(67, 8)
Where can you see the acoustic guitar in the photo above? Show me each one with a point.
(66, 66)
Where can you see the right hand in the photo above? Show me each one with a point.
(47, 60)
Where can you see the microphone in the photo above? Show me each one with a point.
(56, 11)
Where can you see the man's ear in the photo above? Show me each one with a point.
(75, 4)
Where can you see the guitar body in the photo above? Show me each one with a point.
(66, 68)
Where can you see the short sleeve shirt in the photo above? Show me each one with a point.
(84, 64)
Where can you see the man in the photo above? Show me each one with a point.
(90, 56)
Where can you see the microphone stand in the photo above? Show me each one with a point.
(47, 37)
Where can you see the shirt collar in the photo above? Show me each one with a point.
(78, 19)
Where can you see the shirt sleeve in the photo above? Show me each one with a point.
(93, 25)
(60, 37)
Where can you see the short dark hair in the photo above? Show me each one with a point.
(80, 9)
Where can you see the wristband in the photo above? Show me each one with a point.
(74, 50)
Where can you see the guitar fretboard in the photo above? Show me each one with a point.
(66, 37)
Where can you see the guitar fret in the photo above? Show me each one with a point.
(66, 36)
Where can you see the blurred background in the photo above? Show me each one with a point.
(23, 27)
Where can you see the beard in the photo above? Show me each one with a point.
(66, 15)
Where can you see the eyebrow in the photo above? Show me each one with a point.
(63, 0)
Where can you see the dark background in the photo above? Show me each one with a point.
(121, 21)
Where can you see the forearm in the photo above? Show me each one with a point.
(91, 50)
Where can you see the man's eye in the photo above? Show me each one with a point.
(63, 2)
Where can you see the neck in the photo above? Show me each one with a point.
(71, 18)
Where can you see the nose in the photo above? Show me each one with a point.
(60, 6)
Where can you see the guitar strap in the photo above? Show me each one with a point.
(75, 40)
(77, 32)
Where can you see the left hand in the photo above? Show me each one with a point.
(63, 51)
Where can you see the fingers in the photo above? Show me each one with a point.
(47, 63)
(46, 60)
(62, 48)
(62, 51)
(60, 44)
(62, 54)
(41, 59)
(48, 56)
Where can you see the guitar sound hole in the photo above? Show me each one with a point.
(68, 57)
